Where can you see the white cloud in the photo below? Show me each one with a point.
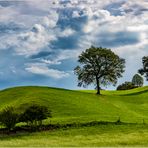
(51, 62)
(49, 23)
(39, 37)
(75, 14)
(142, 27)
(68, 54)
(62, 55)
(7, 14)
(135, 5)
(65, 33)
(42, 69)
(32, 42)
(50, 20)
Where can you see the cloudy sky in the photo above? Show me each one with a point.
(40, 40)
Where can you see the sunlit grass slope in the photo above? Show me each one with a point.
(82, 106)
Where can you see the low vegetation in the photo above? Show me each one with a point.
(8, 118)
(137, 81)
(33, 116)
(126, 86)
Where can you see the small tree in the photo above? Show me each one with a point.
(137, 80)
(35, 114)
(144, 70)
(99, 66)
(8, 118)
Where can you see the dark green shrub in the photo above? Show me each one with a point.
(126, 86)
(35, 114)
(8, 117)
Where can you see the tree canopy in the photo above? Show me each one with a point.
(99, 66)
(8, 117)
(144, 70)
(137, 80)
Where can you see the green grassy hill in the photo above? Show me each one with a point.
(82, 106)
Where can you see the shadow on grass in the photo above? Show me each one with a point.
(134, 93)
(18, 132)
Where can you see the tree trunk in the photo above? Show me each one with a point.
(98, 86)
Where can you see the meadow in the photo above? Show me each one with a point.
(104, 135)
(75, 106)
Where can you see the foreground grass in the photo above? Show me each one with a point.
(99, 135)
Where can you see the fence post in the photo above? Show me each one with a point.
(143, 121)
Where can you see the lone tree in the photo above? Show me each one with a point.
(144, 70)
(99, 66)
(137, 80)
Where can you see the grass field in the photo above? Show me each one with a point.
(103, 135)
(82, 106)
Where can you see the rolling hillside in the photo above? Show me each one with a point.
(82, 106)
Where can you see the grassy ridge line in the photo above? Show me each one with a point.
(120, 92)
(78, 106)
